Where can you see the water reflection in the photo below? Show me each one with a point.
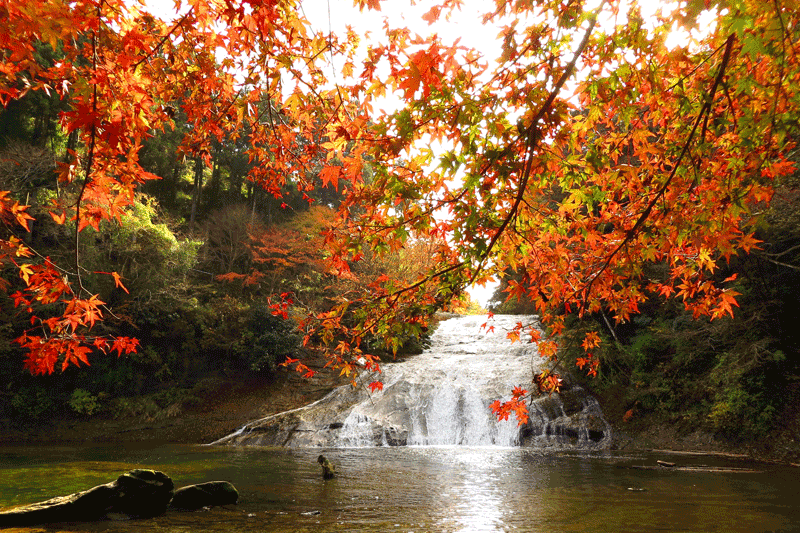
(442, 489)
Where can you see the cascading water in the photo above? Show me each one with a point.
(441, 397)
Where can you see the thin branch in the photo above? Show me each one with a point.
(163, 40)
(533, 137)
(661, 192)
(790, 250)
(779, 263)
(89, 158)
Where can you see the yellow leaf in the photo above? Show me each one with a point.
(25, 271)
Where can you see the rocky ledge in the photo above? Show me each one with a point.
(136, 494)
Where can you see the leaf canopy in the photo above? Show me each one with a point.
(591, 149)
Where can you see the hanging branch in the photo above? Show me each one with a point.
(702, 117)
(533, 136)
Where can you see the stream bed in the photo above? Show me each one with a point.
(425, 489)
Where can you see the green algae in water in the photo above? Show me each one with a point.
(45, 473)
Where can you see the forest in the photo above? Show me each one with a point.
(227, 189)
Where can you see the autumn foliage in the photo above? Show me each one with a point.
(591, 148)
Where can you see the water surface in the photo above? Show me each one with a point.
(419, 489)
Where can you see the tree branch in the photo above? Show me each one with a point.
(533, 137)
(704, 111)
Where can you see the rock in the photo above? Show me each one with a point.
(572, 401)
(395, 436)
(572, 419)
(204, 495)
(328, 470)
(439, 397)
(136, 494)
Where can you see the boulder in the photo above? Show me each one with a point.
(204, 495)
(136, 494)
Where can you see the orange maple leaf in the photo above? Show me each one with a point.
(118, 282)
(330, 176)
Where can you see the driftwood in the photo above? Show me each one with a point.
(712, 454)
(707, 469)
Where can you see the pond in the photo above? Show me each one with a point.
(422, 489)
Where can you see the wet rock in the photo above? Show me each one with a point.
(570, 419)
(572, 401)
(597, 427)
(202, 495)
(136, 494)
(395, 436)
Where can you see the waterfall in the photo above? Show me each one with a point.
(442, 397)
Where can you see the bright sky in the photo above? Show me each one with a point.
(464, 24)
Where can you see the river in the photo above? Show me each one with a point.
(425, 489)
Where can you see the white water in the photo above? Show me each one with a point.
(442, 397)
(445, 392)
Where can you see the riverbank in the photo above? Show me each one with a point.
(643, 431)
(216, 406)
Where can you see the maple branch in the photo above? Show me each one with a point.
(704, 111)
(730, 103)
(610, 328)
(163, 39)
(696, 68)
(330, 48)
(781, 76)
(533, 136)
(89, 159)
(391, 298)
(396, 294)
(670, 88)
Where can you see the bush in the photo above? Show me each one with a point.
(158, 406)
(727, 376)
(272, 340)
(32, 403)
(84, 402)
(148, 255)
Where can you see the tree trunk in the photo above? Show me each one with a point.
(198, 186)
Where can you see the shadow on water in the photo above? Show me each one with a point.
(441, 489)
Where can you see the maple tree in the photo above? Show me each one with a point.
(590, 148)
(275, 251)
(121, 71)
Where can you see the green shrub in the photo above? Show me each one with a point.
(272, 338)
(84, 402)
(158, 406)
(32, 403)
(148, 255)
